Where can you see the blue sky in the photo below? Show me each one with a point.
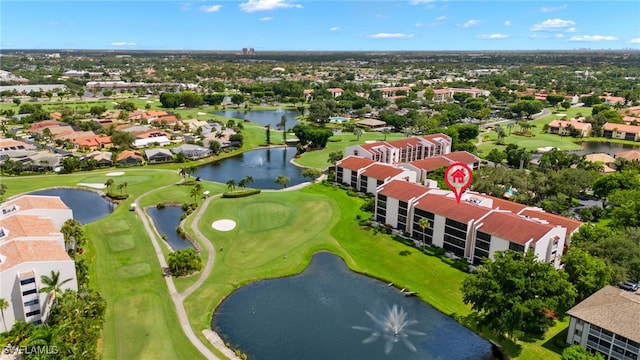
(421, 25)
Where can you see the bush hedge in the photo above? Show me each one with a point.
(243, 193)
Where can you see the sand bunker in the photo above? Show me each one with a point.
(224, 225)
(115, 173)
(93, 185)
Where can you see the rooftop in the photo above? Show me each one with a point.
(381, 172)
(612, 309)
(402, 190)
(354, 163)
(501, 224)
(18, 252)
(449, 207)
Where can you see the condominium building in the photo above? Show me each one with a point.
(474, 228)
(366, 175)
(607, 322)
(31, 245)
(403, 150)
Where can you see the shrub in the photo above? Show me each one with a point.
(243, 193)
(160, 206)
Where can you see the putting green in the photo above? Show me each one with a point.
(116, 226)
(262, 216)
(133, 270)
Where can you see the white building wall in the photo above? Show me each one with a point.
(438, 230)
(392, 211)
(497, 244)
(356, 150)
(346, 176)
(10, 288)
(544, 249)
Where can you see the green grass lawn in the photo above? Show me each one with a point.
(141, 322)
(339, 142)
(539, 139)
(274, 246)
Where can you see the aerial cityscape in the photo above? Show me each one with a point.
(283, 180)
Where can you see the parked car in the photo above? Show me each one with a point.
(630, 285)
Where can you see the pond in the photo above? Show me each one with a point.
(590, 147)
(329, 312)
(263, 117)
(87, 206)
(166, 221)
(263, 165)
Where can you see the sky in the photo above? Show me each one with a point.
(290, 25)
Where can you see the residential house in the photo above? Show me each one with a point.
(631, 155)
(621, 131)
(371, 177)
(191, 151)
(158, 155)
(31, 246)
(607, 322)
(403, 150)
(442, 95)
(93, 142)
(392, 92)
(349, 168)
(102, 158)
(335, 92)
(154, 140)
(10, 144)
(570, 128)
(128, 157)
(373, 124)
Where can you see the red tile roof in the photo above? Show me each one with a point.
(17, 252)
(26, 202)
(463, 157)
(402, 190)
(629, 155)
(431, 164)
(622, 128)
(381, 172)
(513, 228)
(448, 207)
(570, 224)
(28, 226)
(354, 163)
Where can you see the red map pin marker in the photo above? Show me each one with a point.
(458, 177)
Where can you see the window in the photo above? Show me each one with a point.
(29, 292)
(34, 312)
(31, 302)
(27, 281)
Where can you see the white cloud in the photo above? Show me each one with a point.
(123, 43)
(186, 6)
(572, 29)
(508, 23)
(545, 9)
(440, 18)
(470, 23)
(593, 38)
(381, 16)
(335, 28)
(54, 23)
(416, 2)
(420, 24)
(546, 36)
(553, 25)
(266, 5)
(390, 36)
(210, 8)
(635, 41)
(492, 36)
(266, 18)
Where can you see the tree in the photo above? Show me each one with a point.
(555, 99)
(386, 132)
(513, 294)
(282, 180)
(82, 273)
(17, 101)
(577, 352)
(122, 139)
(215, 147)
(311, 173)
(248, 180)
(237, 99)
(53, 283)
(268, 134)
(73, 234)
(335, 156)
(587, 273)
(358, 132)
(424, 224)
(170, 100)
(4, 305)
(190, 99)
(108, 184)
(184, 262)
(196, 192)
(231, 185)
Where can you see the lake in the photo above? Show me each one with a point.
(264, 165)
(590, 147)
(263, 117)
(87, 206)
(166, 221)
(330, 312)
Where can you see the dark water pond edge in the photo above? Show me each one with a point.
(188, 237)
(102, 194)
(496, 348)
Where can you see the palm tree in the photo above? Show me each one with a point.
(4, 304)
(386, 131)
(242, 183)
(248, 180)
(282, 180)
(231, 184)
(120, 187)
(53, 283)
(82, 273)
(424, 224)
(510, 127)
(283, 125)
(358, 132)
(108, 184)
(125, 184)
(72, 233)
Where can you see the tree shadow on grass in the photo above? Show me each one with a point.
(558, 342)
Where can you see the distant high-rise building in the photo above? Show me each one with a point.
(252, 51)
(245, 51)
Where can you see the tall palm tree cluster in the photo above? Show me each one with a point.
(232, 185)
(109, 184)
